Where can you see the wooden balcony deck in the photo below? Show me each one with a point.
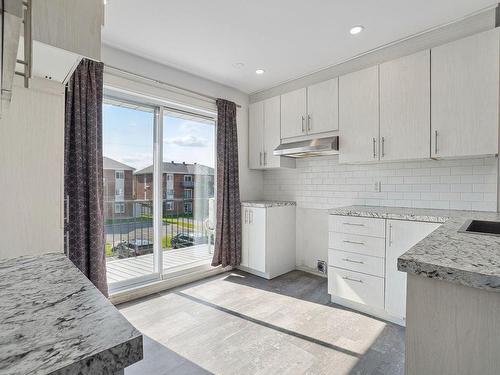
(122, 270)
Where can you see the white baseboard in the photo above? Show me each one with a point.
(311, 270)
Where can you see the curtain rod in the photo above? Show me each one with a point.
(163, 83)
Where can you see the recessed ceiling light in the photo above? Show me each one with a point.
(260, 71)
(356, 29)
(238, 65)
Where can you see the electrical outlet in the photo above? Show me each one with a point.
(378, 186)
(321, 266)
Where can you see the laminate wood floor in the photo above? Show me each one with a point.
(237, 323)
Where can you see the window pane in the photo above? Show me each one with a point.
(128, 192)
(189, 186)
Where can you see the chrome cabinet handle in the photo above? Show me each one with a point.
(309, 127)
(353, 261)
(250, 217)
(260, 158)
(383, 146)
(353, 242)
(265, 158)
(390, 234)
(354, 224)
(436, 142)
(245, 216)
(303, 119)
(350, 279)
(374, 149)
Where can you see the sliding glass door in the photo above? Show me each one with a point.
(159, 192)
(188, 174)
(128, 193)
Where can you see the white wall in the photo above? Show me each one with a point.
(320, 183)
(251, 182)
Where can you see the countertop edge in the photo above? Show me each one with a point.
(130, 352)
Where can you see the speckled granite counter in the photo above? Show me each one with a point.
(468, 259)
(267, 204)
(54, 321)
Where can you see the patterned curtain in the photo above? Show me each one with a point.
(227, 250)
(83, 183)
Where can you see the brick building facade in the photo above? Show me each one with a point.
(129, 193)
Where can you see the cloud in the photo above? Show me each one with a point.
(188, 141)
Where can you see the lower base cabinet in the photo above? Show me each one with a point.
(268, 240)
(362, 263)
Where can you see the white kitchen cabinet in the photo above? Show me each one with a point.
(359, 116)
(322, 107)
(465, 96)
(70, 25)
(294, 114)
(401, 236)
(255, 135)
(63, 32)
(362, 263)
(264, 136)
(31, 169)
(268, 240)
(405, 96)
(310, 111)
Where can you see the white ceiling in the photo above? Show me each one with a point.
(287, 38)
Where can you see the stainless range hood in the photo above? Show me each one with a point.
(313, 147)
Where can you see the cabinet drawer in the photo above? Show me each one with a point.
(356, 262)
(357, 225)
(366, 245)
(356, 287)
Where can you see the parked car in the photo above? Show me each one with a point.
(181, 240)
(132, 248)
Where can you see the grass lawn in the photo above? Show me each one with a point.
(109, 249)
(166, 242)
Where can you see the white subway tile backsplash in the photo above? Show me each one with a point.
(321, 182)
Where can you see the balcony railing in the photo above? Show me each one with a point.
(188, 184)
(130, 233)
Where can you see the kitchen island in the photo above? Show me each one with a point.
(453, 292)
(54, 321)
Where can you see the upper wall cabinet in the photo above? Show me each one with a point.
(70, 25)
(264, 135)
(358, 116)
(310, 111)
(322, 107)
(294, 114)
(465, 94)
(63, 31)
(405, 107)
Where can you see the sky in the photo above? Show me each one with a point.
(128, 138)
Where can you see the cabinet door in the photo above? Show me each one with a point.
(405, 89)
(244, 236)
(293, 114)
(257, 239)
(255, 135)
(464, 84)
(401, 236)
(31, 170)
(359, 116)
(272, 137)
(70, 25)
(323, 107)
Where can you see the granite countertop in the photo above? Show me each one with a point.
(54, 321)
(267, 204)
(468, 259)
